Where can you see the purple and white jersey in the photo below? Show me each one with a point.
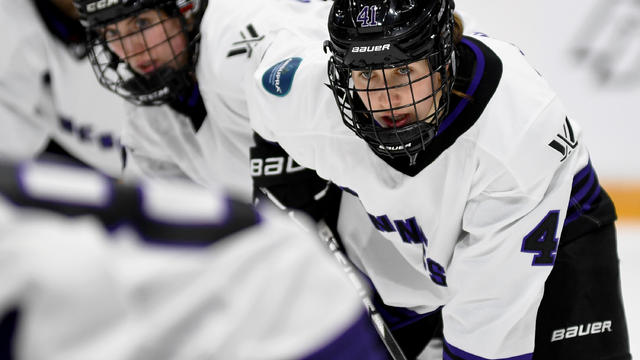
(163, 270)
(48, 92)
(474, 226)
(164, 143)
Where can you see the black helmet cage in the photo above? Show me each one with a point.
(392, 40)
(169, 79)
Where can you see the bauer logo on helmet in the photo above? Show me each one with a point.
(371, 48)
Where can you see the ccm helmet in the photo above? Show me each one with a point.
(125, 38)
(373, 35)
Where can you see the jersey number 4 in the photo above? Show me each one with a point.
(542, 240)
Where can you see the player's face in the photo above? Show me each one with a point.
(148, 41)
(391, 95)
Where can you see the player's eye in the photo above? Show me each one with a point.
(366, 75)
(143, 23)
(405, 70)
(110, 34)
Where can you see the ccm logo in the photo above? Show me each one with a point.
(582, 330)
(361, 49)
(100, 4)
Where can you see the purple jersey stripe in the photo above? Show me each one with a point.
(453, 353)
(587, 205)
(360, 341)
(585, 188)
(582, 173)
(479, 71)
(591, 188)
(349, 191)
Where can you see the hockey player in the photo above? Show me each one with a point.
(94, 269)
(150, 53)
(161, 53)
(484, 203)
(167, 133)
(49, 99)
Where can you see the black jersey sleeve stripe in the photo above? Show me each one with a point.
(123, 205)
(14, 186)
(584, 192)
(590, 207)
(239, 216)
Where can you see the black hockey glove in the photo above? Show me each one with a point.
(294, 186)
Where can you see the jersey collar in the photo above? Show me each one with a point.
(192, 106)
(478, 75)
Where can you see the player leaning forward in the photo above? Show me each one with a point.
(162, 53)
(477, 180)
(146, 52)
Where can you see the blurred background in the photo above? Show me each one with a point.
(589, 51)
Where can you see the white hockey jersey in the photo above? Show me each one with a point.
(165, 143)
(73, 109)
(95, 270)
(474, 226)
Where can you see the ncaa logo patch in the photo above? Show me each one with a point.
(278, 79)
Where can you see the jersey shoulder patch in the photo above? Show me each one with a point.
(277, 80)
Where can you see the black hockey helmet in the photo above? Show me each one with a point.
(370, 35)
(162, 79)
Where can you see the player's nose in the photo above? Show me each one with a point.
(134, 44)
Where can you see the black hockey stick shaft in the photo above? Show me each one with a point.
(325, 233)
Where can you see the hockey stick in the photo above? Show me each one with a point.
(330, 241)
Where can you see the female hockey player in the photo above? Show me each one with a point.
(138, 53)
(152, 54)
(484, 203)
(146, 52)
(49, 99)
(163, 270)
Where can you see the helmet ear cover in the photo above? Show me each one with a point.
(169, 79)
(369, 35)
